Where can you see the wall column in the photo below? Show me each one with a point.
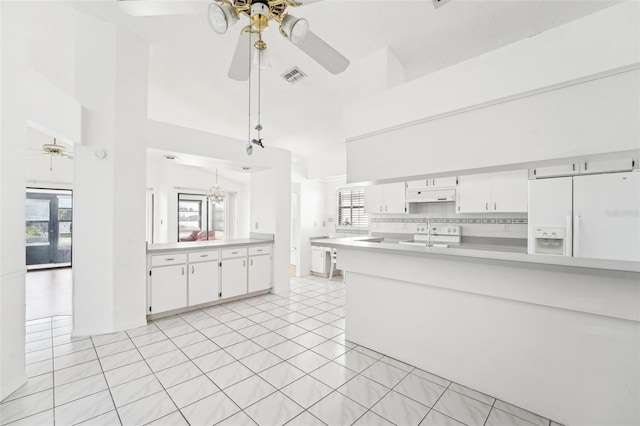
(13, 128)
(109, 255)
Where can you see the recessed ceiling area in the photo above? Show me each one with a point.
(229, 170)
(188, 62)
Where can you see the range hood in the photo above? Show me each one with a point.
(430, 195)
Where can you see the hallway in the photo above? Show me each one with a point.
(48, 293)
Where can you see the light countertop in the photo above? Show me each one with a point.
(199, 245)
(478, 252)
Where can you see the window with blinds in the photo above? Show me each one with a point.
(351, 208)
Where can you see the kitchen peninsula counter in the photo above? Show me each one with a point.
(555, 335)
(476, 251)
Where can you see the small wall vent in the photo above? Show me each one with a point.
(294, 75)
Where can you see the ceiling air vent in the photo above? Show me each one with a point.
(293, 75)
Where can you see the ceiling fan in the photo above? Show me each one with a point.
(222, 14)
(53, 149)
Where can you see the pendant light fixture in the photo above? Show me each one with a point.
(216, 194)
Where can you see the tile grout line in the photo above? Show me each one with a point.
(156, 377)
(104, 376)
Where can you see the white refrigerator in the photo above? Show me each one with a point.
(593, 216)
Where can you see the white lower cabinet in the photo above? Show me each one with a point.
(318, 262)
(259, 268)
(233, 272)
(204, 277)
(181, 279)
(168, 288)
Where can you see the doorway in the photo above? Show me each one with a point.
(48, 228)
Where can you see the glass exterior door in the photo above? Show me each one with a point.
(48, 227)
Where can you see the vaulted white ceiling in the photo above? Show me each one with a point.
(188, 83)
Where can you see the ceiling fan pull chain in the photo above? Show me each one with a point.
(249, 147)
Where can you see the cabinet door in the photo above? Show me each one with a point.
(233, 277)
(509, 191)
(259, 273)
(317, 260)
(418, 184)
(373, 199)
(168, 288)
(474, 193)
(203, 282)
(443, 182)
(394, 197)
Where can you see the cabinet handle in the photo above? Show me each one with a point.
(380, 208)
(234, 252)
(259, 250)
(244, 263)
(495, 205)
(183, 270)
(169, 259)
(486, 206)
(385, 208)
(204, 255)
(251, 262)
(433, 182)
(192, 270)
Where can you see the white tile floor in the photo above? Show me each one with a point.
(268, 360)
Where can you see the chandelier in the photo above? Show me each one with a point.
(215, 194)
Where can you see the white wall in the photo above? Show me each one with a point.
(164, 176)
(271, 213)
(313, 222)
(542, 98)
(331, 207)
(109, 256)
(13, 117)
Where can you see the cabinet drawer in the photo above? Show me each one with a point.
(234, 252)
(259, 250)
(203, 256)
(168, 259)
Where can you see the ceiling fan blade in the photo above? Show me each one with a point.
(68, 155)
(162, 7)
(323, 54)
(239, 68)
(37, 155)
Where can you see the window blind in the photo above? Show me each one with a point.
(350, 204)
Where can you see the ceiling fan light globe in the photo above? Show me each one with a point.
(221, 17)
(260, 59)
(296, 29)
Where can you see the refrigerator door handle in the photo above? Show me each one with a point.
(576, 234)
(569, 237)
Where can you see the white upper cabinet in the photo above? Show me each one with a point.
(433, 183)
(374, 199)
(509, 191)
(474, 193)
(554, 171)
(387, 198)
(493, 192)
(607, 166)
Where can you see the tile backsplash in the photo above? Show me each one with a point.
(495, 225)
